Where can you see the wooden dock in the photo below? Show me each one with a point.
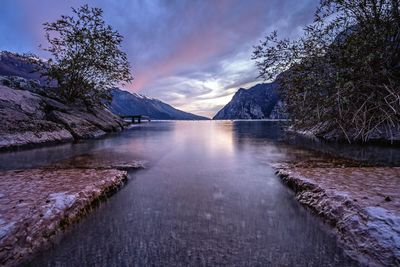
(135, 118)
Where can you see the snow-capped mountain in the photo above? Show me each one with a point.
(126, 103)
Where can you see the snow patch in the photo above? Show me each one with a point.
(143, 96)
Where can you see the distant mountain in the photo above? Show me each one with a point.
(258, 102)
(126, 103)
(17, 65)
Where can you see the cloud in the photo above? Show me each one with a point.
(191, 54)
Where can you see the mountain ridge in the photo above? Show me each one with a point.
(127, 103)
(13, 64)
(261, 101)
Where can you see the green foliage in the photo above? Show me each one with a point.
(87, 57)
(344, 72)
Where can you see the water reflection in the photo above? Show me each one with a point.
(208, 198)
(385, 155)
(221, 136)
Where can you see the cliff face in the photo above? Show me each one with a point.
(126, 103)
(258, 102)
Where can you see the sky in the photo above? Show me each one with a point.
(192, 54)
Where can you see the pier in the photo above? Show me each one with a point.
(135, 118)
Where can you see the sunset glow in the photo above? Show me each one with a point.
(191, 54)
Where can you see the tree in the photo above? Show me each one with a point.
(87, 57)
(344, 72)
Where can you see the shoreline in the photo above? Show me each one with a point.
(341, 192)
(30, 119)
(48, 144)
(367, 221)
(336, 137)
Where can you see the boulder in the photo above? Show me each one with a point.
(24, 120)
(29, 118)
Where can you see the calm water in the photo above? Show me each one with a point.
(207, 198)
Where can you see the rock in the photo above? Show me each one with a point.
(351, 200)
(258, 102)
(24, 121)
(77, 126)
(329, 132)
(52, 199)
(100, 160)
(20, 83)
(30, 119)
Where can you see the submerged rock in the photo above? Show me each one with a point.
(100, 160)
(36, 204)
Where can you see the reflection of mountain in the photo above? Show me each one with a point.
(126, 103)
(264, 130)
(259, 102)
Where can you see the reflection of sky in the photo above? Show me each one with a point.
(191, 54)
(191, 136)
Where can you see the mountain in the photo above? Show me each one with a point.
(258, 102)
(12, 64)
(126, 103)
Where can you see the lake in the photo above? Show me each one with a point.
(208, 197)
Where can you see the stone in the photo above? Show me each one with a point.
(52, 199)
(351, 199)
(100, 160)
(29, 118)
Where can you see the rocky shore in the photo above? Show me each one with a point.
(361, 203)
(37, 204)
(29, 118)
(326, 132)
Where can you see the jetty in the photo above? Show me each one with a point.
(135, 118)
